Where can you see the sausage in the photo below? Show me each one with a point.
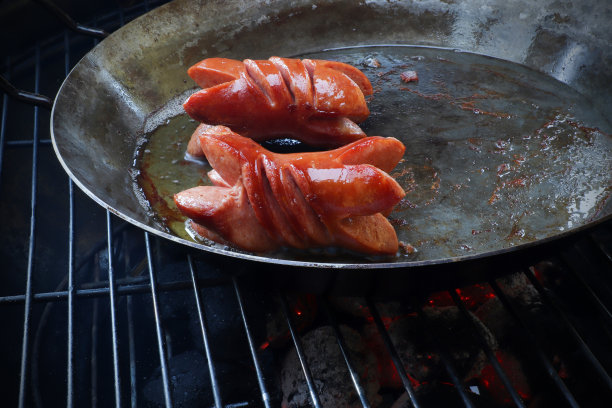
(301, 200)
(317, 102)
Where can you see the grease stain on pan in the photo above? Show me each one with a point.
(498, 155)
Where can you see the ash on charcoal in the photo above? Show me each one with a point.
(329, 370)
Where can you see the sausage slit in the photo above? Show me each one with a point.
(286, 78)
(257, 77)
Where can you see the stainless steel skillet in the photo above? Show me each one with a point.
(500, 157)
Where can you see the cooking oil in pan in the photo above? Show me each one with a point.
(497, 154)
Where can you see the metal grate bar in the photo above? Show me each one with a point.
(137, 281)
(397, 362)
(602, 249)
(108, 19)
(459, 386)
(49, 45)
(25, 354)
(122, 289)
(69, 22)
(314, 395)
(121, 16)
(343, 349)
(29, 97)
(94, 344)
(132, 349)
(94, 335)
(160, 336)
(113, 310)
(3, 118)
(204, 328)
(26, 143)
(131, 334)
(71, 286)
(265, 396)
(599, 304)
(71, 292)
(554, 304)
(518, 401)
(589, 270)
(552, 373)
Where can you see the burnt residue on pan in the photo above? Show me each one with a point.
(497, 155)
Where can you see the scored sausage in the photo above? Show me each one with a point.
(262, 200)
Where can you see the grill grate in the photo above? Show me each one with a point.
(114, 308)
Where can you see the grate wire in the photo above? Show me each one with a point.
(344, 350)
(71, 285)
(516, 398)
(204, 329)
(312, 389)
(446, 360)
(3, 120)
(552, 301)
(537, 349)
(112, 289)
(265, 395)
(397, 362)
(25, 345)
(163, 358)
(599, 304)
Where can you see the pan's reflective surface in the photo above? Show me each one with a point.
(100, 112)
(498, 155)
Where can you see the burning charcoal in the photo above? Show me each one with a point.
(329, 371)
(517, 287)
(517, 356)
(421, 361)
(493, 313)
(494, 387)
(458, 337)
(357, 307)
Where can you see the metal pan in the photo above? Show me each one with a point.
(504, 152)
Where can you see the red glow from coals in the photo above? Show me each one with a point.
(495, 387)
(537, 273)
(472, 297)
(303, 311)
(389, 377)
(389, 320)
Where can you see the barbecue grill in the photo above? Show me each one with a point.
(96, 312)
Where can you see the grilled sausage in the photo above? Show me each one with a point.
(301, 200)
(315, 101)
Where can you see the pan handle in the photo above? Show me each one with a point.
(69, 21)
(35, 98)
(25, 96)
